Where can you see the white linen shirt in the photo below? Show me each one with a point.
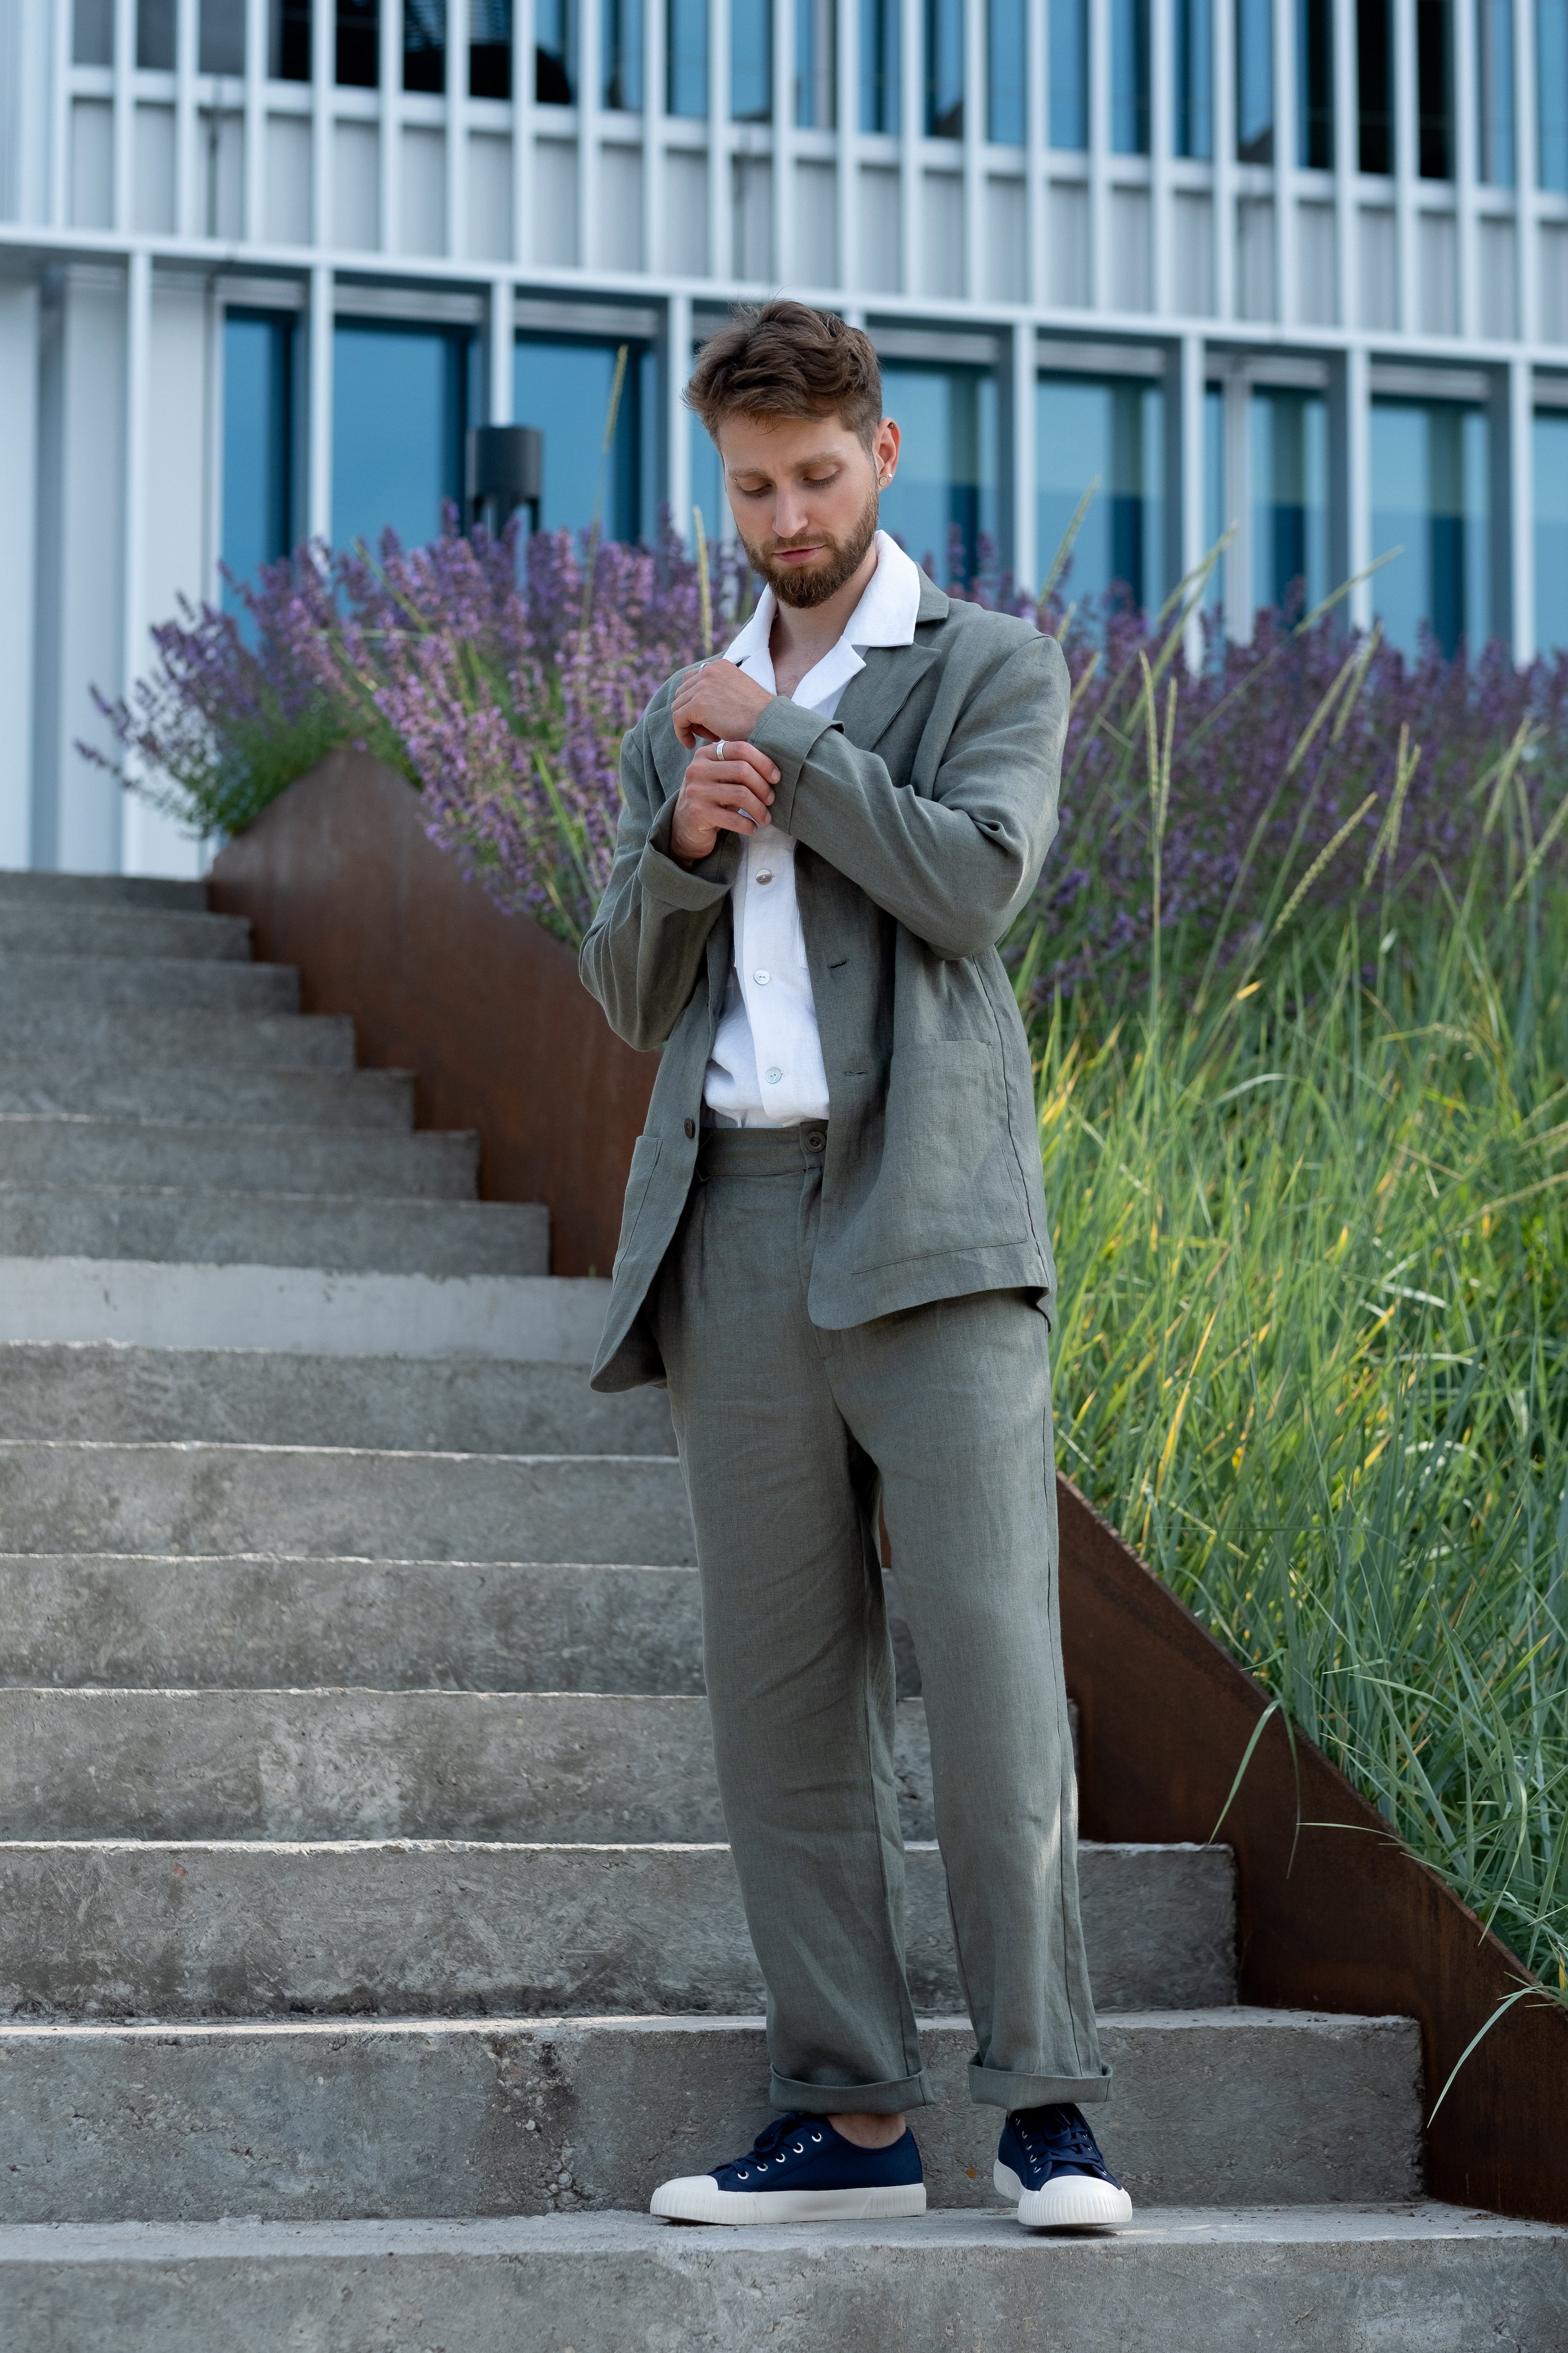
(766, 1069)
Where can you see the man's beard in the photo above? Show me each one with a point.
(839, 560)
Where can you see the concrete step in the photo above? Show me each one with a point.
(126, 1153)
(357, 1764)
(31, 887)
(1217, 2279)
(304, 1311)
(343, 1233)
(209, 1095)
(168, 983)
(269, 1398)
(174, 1038)
(165, 1623)
(333, 1503)
(436, 2117)
(103, 929)
(258, 1929)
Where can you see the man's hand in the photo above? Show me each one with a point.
(717, 701)
(722, 796)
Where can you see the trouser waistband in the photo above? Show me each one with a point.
(761, 1151)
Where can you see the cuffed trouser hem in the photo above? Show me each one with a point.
(998, 2087)
(852, 2099)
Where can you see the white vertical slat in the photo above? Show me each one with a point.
(1100, 155)
(212, 521)
(1466, 164)
(59, 115)
(911, 130)
(1287, 304)
(499, 369)
(1404, 162)
(253, 216)
(784, 241)
(125, 112)
(188, 210)
(134, 519)
(1526, 166)
(1521, 507)
(1358, 481)
(389, 128)
(846, 189)
(976, 137)
(1024, 551)
(1225, 215)
(721, 172)
(655, 73)
(1190, 386)
(1037, 154)
(590, 89)
(457, 126)
(319, 425)
(323, 66)
(677, 417)
(523, 38)
(1240, 589)
(1161, 93)
(1347, 160)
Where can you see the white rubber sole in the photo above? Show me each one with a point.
(697, 2198)
(1073, 2201)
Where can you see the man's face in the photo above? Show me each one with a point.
(804, 493)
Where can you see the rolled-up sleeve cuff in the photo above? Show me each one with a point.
(692, 888)
(786, 732)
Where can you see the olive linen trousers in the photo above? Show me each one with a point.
(788, 1436)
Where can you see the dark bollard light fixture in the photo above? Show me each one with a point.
(505, 471)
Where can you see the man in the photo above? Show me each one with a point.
(835, 1251)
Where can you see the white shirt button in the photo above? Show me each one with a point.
(773, 1077)
(765, 878)
(761, 978)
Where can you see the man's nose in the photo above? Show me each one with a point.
(790, 515)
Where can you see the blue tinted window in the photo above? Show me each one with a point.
(1494, 91)
(1430, 497)
(708, 491)
(1110, 429)
(92, 32)
(1315, 85)
(257, 438)
(1005, 68)
(1255, 81)
(751, 60)
(1192, 130)
(945, 68)
(623, 61)
(881, 66)
(1552, 529)
(1130, 77)
(555, 52)
(686, 60)
(1552, 83)
(942, 501)
(1069, 73)
(1291, 500)
(398, 403)
(815, 64)
(489, 49)
(565, 388)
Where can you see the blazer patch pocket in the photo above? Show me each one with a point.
(645, 1160)
(949, 1176)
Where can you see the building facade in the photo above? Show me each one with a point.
(1296, 268)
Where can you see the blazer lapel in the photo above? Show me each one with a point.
(875, 695)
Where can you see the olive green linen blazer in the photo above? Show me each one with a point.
(923, 811)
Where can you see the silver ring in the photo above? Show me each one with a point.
(718, 749)
(746, 813)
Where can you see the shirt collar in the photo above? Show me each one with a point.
(885, 615)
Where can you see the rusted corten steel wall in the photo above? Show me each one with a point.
(485, 1009)
(1333, 1913)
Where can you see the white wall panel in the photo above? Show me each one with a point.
(422, 228)
(18, 504)
(752, 216)
(1316, 299)
(1439, 274)
(356, 195)
(1130, 272)
(686, 213)
(287, 208)
(1553, 262)
(85, 832)
(220, 177)
(817, 223)
(92, 165)
(1379, 268)
(1069, 276)
(153, 184)
(179, 472)
(489, 198)
(940, 270)
(1006, 241)
(1498, 256)
(875, 266)
(1192, 254)
(555, 202)
(621, 209)
(1257, 296)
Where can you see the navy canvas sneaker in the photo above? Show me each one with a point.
(800, 2170)
(1048, 2160)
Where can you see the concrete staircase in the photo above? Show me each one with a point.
(368, 1943)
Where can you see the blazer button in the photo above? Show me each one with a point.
(691, 1127)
